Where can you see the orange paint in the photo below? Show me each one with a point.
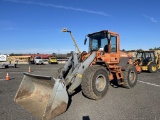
(7, 77)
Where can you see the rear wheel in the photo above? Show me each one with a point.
(95, 82)
(152, 68)
(130, 77)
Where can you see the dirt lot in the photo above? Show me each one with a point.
(140, 102)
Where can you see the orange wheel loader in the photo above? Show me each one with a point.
(46, 97)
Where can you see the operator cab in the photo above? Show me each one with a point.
(103, 41)
(145, 57)
(107, 43)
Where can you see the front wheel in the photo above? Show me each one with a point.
(152, 68)
(95, 82)
(130, 76)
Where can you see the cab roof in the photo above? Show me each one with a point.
(105, 31)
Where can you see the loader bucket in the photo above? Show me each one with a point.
(43, 96)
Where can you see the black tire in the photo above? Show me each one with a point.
(152, 68)
(130, 76)
(91, 86)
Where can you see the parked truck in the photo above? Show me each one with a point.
(38, 60)
(52, 60)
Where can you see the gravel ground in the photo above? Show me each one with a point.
(138, 103)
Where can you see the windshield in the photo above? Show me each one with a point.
(97, 41)
(52, 58)
(38, 57)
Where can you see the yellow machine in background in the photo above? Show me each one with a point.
(148, 60)
(52, 60)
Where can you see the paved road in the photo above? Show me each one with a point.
(140, 102)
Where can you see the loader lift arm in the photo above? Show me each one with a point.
(74, 77)
(74, 41)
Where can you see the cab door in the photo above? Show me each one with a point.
(114, 56)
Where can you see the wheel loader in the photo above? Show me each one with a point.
(147, 60)
(47, 97)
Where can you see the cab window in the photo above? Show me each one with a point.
(99, 43)
(113, 44)
(94, 44)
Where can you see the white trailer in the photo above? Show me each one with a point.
(4, 63)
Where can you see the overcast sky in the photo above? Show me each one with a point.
(34, 26)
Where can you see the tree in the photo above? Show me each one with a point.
(155, 48)
(139, 50)
(54, 54)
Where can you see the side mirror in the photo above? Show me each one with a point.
(109, 36)
(85, 40)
